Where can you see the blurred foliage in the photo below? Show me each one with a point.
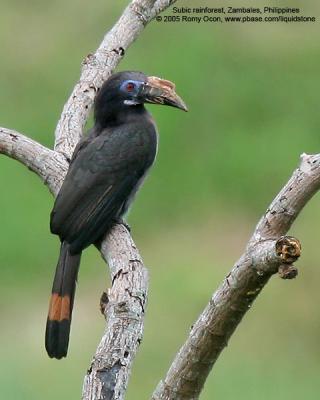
(253, 96)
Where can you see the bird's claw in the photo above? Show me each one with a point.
(121, 221)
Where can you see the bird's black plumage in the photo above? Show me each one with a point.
(101, 178)
(106, 170)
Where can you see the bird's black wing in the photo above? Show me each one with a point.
(100, 179)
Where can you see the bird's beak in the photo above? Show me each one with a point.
(161, 91)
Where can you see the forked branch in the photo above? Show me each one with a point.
(109, 372)
(268, 250)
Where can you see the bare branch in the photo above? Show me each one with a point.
(109, 372)
(267, 252)
(285, 208)
(110, 369)
(160, 5)
(123, 307)
(47, 164)
(97, 67)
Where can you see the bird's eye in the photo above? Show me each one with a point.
(130, 86)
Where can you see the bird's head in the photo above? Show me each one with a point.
(128, 89)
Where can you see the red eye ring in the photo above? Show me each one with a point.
(130, 86)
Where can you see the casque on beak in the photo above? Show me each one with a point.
(161, 91)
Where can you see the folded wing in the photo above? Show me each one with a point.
(100, 179)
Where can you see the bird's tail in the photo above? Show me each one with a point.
(61, 303)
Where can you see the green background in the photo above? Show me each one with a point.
(253, 94)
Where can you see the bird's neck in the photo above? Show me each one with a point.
(115, 116)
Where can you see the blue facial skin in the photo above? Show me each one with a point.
(136, 88)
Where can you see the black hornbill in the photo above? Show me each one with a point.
(106, 170)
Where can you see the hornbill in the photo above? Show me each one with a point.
(107, 168)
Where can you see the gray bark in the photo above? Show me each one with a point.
(267, 252)
(110, 369)
(97, 67)
(123, 305)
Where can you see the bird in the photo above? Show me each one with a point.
(107, 168)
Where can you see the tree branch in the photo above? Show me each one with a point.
(124, 307)
(97, 67)
(49, 165)
(125, 303)
(267, 252)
